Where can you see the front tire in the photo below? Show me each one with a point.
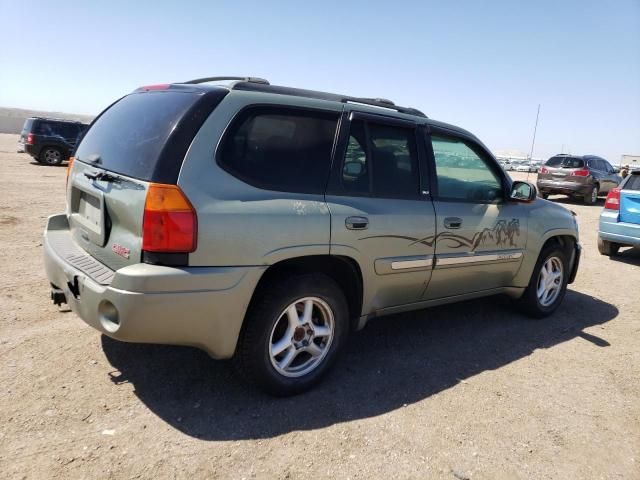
(293, 332)
(548, 284)
(607, 248)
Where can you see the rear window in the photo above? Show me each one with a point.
(129, 137)
(554, 161)
(281, 149)
(565, 162)
(569, 162)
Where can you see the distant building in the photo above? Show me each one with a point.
(632, 160)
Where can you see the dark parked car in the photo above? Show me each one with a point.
(585, 176)
(50, 140)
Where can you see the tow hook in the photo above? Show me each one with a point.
(58, 297)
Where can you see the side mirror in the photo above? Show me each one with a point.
(352, 169)
(523, 192)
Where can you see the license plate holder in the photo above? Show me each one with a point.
(89, 216)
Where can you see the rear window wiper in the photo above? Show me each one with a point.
(104, 176)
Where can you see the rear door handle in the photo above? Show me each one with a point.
(357, 223)
(452, 222)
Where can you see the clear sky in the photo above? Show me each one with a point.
(482, 65)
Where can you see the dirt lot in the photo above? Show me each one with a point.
(472, 391)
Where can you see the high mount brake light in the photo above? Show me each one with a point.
(160, 86)
(170, 224)
(613, 199)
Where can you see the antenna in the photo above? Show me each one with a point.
(533, 142)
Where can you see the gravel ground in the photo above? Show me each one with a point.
(469, 391)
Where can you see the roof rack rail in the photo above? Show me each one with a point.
(261, 81)
(298, 92)
(383, 102)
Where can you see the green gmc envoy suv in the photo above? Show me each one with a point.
(266, 223)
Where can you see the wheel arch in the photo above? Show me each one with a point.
(345, 271)
(565, 238)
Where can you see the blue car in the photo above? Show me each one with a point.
(620, 219)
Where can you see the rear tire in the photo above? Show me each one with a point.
(544, 195)
(284, 353)
(592, 196)
(51, 156)
(545, 291)
(607, 248)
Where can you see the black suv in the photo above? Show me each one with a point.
(50, 140)
(585, 176)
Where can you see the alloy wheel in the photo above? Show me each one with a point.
(550, 281)
(301, 337)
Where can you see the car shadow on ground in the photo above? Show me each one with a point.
(394, 361)
(575, 201)
(39, 164)
(628, 255)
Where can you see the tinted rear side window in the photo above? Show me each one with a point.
(280, 149)
(129, 137)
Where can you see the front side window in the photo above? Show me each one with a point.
(462, 174)
(381, 160)
(280, 149)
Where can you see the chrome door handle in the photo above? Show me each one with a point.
(452, 222)
(357, 223)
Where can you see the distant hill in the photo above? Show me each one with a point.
(12, 119)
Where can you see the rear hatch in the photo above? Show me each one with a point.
(139, 140)
(630, 200)
(564, 169)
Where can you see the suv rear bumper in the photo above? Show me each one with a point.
(568, 188)
(199, 306)
(612, 230)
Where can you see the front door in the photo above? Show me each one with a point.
(380, 215)
(481, 237)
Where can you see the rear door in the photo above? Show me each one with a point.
(481, 236)
(630, 200)
(140, 139)
(381, 212)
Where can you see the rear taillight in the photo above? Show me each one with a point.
(170, 223)
(613, 199)
(544, 170)
(69, 167)
(30, 139)
(580, 173)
